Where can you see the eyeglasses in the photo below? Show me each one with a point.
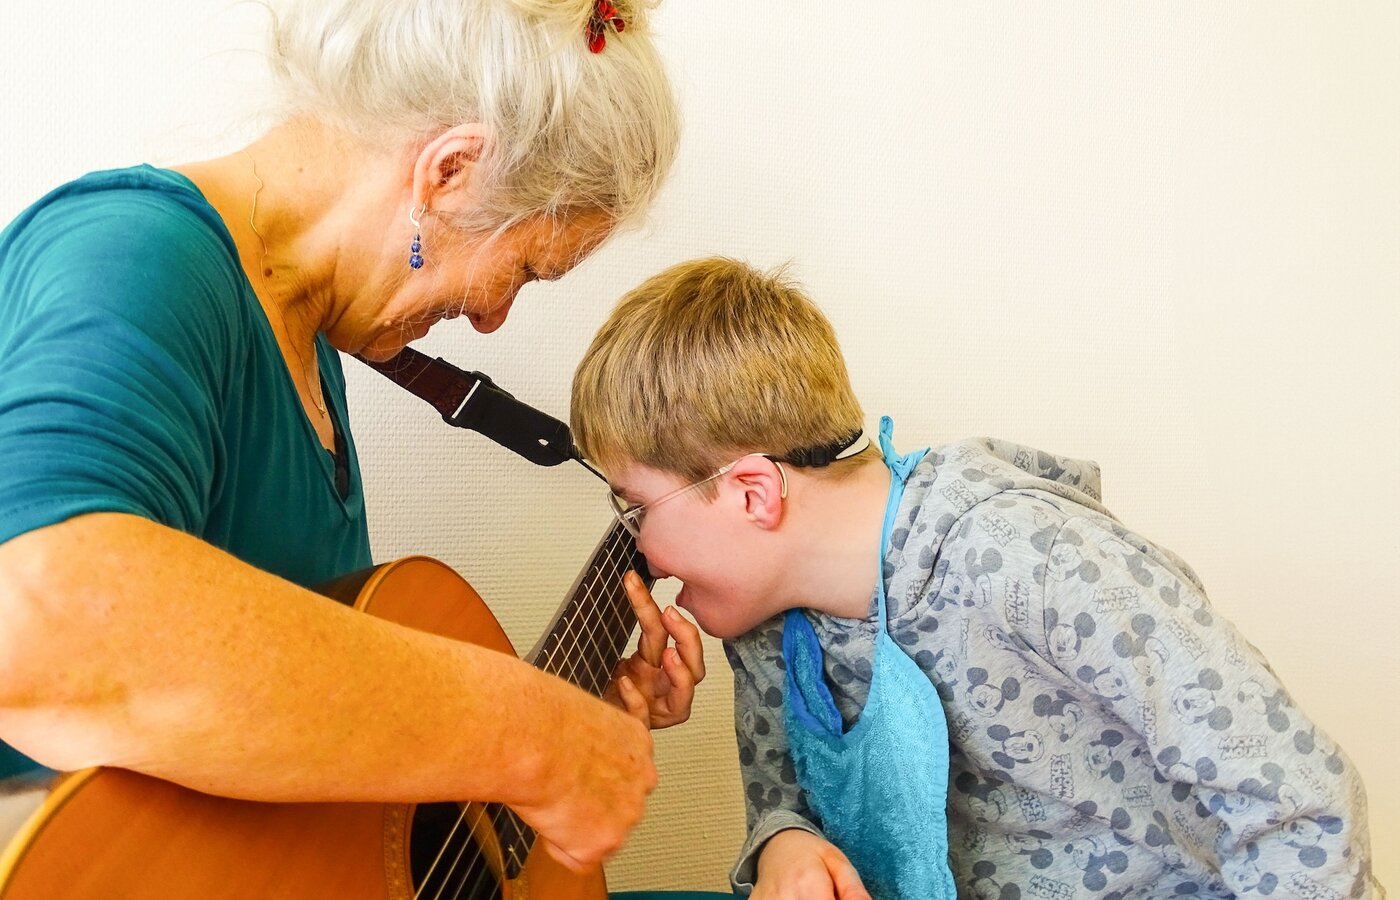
(631, 516)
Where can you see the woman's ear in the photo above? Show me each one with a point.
(763, 485)
(442, 172)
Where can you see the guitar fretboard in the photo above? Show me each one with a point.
(588, 635)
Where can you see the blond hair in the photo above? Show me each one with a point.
(706, 361)
(571, 130)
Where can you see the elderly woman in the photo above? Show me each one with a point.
(172, 416)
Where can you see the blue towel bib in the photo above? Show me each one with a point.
(881, 788)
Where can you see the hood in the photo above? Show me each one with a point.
(952, 479)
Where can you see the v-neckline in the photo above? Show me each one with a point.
(334, 413)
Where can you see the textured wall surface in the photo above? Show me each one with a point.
(1166, 237)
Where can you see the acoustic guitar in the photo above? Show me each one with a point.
(111, 834)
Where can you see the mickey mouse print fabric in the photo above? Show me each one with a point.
(1112, 736)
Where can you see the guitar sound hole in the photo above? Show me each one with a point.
(447, 863)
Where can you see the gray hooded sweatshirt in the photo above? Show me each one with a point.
(1112, 736)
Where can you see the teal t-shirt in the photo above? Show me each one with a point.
(139, 374)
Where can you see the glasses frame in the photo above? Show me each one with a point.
(631, 517)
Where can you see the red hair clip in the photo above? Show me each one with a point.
(604, 14)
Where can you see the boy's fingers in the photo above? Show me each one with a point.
(633, 701)
(626, 669)
(654, 631)
(682, 693)
(677, 672)
(845, 879)
(687, 638)
(852, 891)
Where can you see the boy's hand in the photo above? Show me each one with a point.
(664, 676)
(798, 865)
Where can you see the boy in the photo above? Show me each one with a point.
(1111, 735)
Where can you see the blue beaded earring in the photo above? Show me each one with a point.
(415, 256)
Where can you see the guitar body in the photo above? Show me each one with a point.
(104, 834)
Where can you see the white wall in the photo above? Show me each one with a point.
(1163, 236)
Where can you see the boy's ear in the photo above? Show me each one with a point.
(762, 485)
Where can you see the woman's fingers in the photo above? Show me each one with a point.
(563, 857)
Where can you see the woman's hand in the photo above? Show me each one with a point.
(799, 865)
(664, 677)
(594, 791)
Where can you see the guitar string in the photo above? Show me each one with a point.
(478, 870)
(607, 563)
(428, 876)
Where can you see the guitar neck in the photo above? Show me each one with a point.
(588, 635)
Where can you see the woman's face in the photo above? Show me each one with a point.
(463, 274)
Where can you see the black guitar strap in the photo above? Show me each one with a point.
(472, 400)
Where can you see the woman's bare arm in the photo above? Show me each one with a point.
(129, 644)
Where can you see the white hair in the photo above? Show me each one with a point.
(569, 129)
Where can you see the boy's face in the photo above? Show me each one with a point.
(713, 545)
